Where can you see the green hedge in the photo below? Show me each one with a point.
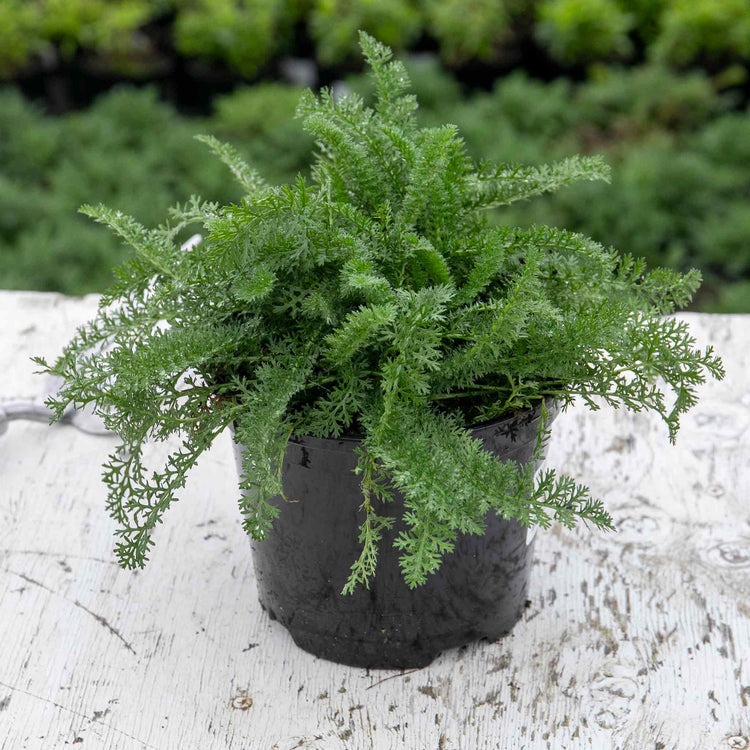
(110, 28)
(244, 35)
(679, 194)
(128, 150)
(132, 152)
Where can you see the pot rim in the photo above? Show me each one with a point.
(347, 442)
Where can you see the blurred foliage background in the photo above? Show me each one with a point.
(100, 100)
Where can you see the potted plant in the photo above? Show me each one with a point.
(389, 361)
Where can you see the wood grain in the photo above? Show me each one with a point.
(636, 639)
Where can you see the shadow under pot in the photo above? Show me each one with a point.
(479, 591)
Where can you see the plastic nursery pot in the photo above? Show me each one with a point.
(301, 567)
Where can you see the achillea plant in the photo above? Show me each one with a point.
(374, 300)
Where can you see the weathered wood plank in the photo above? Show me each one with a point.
(637, 639)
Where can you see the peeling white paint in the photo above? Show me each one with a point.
(632, 640)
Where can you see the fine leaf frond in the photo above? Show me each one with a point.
(150, 245)
(390, 77)
(248, 178)
(138, 502)
(360, 327)
(263, 431)
(500, 186)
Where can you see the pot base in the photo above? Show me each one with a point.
(384, 655)
(398, 640)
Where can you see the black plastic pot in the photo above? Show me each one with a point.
(478, 592)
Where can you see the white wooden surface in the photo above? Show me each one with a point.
(637, 639)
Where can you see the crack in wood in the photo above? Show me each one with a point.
(44, 553)
(392, 677)
(99, 618)
(79, 714)
(103, 621)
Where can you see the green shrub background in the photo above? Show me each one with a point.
(659, 88)
(245, 34)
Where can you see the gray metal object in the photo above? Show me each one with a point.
(82, 419)
(300, 71)
(85, 419)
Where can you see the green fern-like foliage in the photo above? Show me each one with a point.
(376, 299)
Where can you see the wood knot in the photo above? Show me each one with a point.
(730, 554)
(241, 702)
(613, 694)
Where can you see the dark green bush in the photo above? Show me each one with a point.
(334, 24)
(128, 146)
(111, 28)
(29, 142)
(693, 29)
(244, 35)
(468, 31)
(625, 103)
(584, 30)
(136, 151)
(18, 36)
